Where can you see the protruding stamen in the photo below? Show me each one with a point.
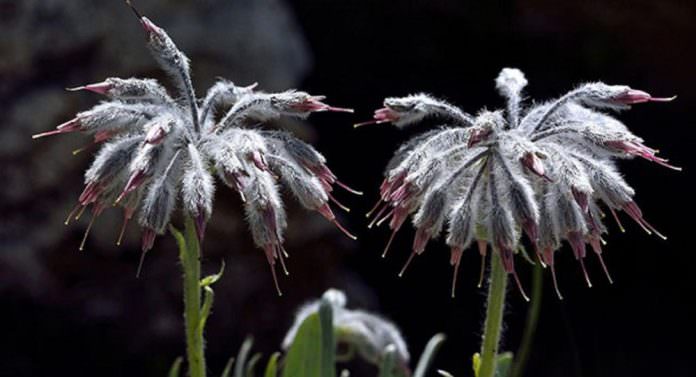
(80, 212)
(386, 217)
(347, 188)
(72, 213)
(123, 230)
(482, 271)
(519, 286)
(403, 269)
(337, 203)
(377, 205)
(280, 253)
(482, 248)
(584, 272)
(555, 282)
(616, 218)
(344, 230)
(391, 239)
(140, 263)
(95, 213)
(604, 267)
(455, 259)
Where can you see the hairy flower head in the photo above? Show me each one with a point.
(159, 152)
(546, 170)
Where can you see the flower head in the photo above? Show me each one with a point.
(546, 171)
(367, 333)
(159, 152)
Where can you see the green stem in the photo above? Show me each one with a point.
(532, 320)
(494, 316)
(189, 255)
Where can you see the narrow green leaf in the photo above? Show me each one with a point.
(304, 356)
(212, 279)
(272, 366)
(252, 364)
(444, 373)
(242, 357)
(328, 343)
(429, 354)
(207, 306)
(386, 369)
(228, 368)
(503, 364)
(176, 367)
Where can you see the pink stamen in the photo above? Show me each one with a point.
(335, 201)
(270, 256)
(344, 230)
(391, 239)
(455, 259)
(584, 272)
(408, 261)
(347, 188)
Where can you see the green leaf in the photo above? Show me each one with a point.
(328, 343)
(304, 356)
(272, 366)
(212, 279)
(503, 364)
(242, 357)
(176, 367)
(428, 354)
(205, 309)
(252, 364)
(228, 368)
(388, 362)
(444, 373)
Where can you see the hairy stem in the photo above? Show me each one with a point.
(189, 254)
(532, 320)
(494, 316)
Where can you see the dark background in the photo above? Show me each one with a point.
(70, 313)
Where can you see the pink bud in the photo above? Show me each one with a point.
(633, 96)
(532, 162)
(382, 115)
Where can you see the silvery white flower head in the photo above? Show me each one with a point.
(160, 151)
(367, 333)
(546, 170)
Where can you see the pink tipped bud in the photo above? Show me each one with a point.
(478, 135)
(99, 88)
(382, 115)
(314, 104)
(326, 211)
(577, 244)
(633, 96)
(72, 125)
(156, 134)
(148, 25)
(581, 198)
(532, 162)
(148, 239)
(136, 179)
(420, 240)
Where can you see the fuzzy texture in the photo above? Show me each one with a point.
(159, 152)
(543, 170)
(369, 334)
